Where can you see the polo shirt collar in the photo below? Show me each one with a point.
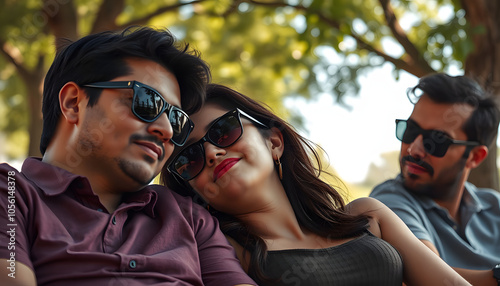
(428, 203)
(469, 198)
(54, 181)
(50, 179)
(472, 201)
(144, 200)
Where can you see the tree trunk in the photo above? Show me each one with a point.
(483, 64)
(33, 88)
(62, 23)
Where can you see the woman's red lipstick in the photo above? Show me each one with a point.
(223, 167)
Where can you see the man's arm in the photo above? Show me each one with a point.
(475, 277)
(16, 275)
(218, 261)
(406, 209)
(13, 272)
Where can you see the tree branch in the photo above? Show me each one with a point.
(145, 19)
(397, 31)
(13, 55)
(402, 64)
(62, 20)
(412, 65)
(107, 14)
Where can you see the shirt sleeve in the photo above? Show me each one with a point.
(14, 242)
(405, 206)
(219, 265)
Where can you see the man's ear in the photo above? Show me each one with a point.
(70, 96)
(476, 156)
(277, 143)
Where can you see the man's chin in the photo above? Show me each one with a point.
(415, 185)
(141, 173)
(411, 181)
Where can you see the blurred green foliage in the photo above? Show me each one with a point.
(266, 49)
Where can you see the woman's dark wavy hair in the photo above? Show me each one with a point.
(318, 206)
(102, 57)
(482, 125)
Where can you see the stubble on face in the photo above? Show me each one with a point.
(439, 186)
(90, 145)
(135, 171)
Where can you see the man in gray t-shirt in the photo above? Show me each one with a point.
(447, 135)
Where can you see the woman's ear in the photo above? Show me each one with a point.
(277, 143)
(70, 96)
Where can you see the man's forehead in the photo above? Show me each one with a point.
(156, 76)
(430, 114)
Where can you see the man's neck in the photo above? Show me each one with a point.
(100, 184)
(452, 204)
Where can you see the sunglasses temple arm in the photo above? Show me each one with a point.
(251, 118)
(112, 84)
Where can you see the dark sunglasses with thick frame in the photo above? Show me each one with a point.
(223, 132)
(148, 105)
(435, 142)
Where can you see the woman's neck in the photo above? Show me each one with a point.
(276, 223)
(278, 226)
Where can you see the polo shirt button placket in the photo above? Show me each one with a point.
(113, 220)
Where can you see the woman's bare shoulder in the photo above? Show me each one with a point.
(365, 205)
(370, 207)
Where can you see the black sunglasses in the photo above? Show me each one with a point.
(148, 105)
(436, 142)
(223, 132)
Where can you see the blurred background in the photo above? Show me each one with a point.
(338, 69)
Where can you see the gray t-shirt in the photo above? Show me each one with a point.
(473, 244)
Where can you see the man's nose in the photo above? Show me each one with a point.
(161, 128)
(416, 148)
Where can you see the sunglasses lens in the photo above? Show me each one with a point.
(189, 163)
(225, 131)
(147, 103)
(435, 143)
(181, 125)
(407, 131)
(400, 129)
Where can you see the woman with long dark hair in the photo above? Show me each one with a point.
(258, 176)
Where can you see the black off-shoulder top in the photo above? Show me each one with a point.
(365, 260)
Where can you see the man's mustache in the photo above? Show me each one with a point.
(420, 163)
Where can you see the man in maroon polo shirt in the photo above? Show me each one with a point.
(84, 214)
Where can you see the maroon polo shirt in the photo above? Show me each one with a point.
(63, 233)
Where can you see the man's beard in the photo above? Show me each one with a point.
(134, 171)
(441, 187)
